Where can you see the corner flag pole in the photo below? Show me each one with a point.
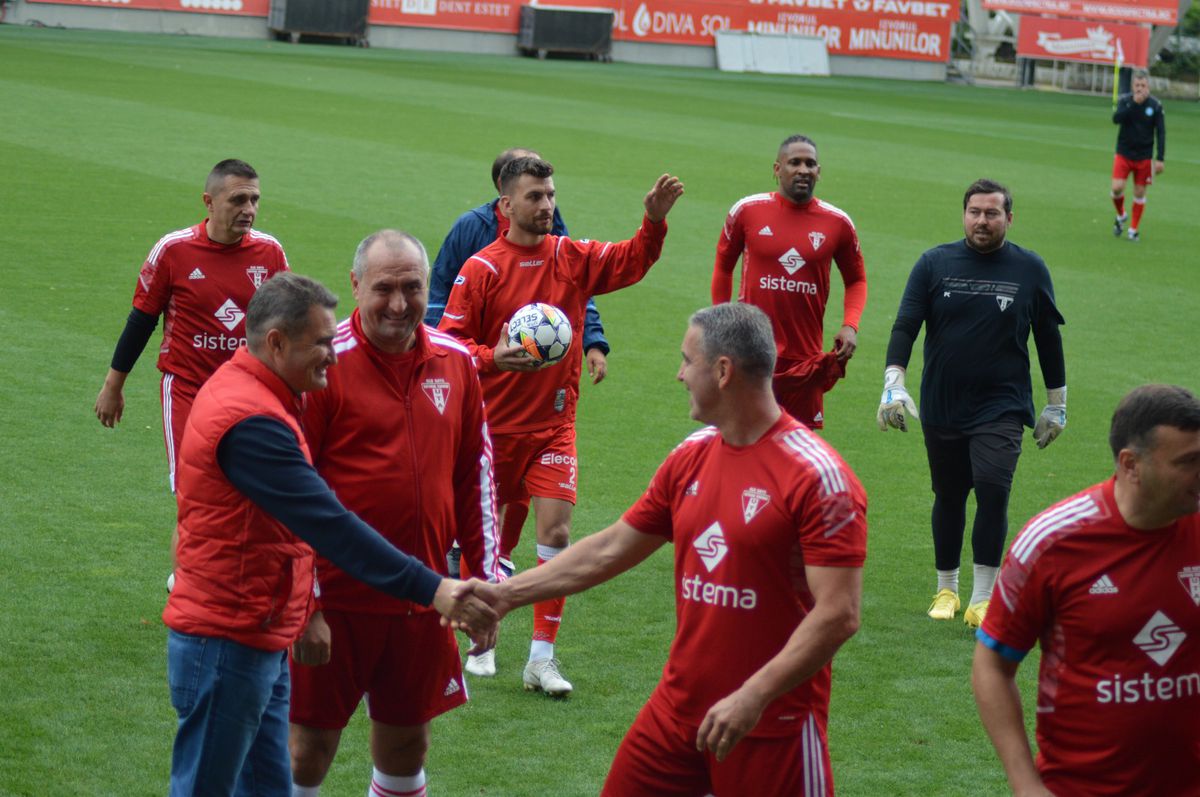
(1116, 74)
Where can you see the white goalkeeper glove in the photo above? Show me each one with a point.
(1053, 420)
(895, 401)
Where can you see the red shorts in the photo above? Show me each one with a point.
(1143, 172)
(658, 758)
(177, 398)
(541, 463)
(407, 665)
(806, 405)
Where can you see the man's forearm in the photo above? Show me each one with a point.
(994, 681)
(591, 561)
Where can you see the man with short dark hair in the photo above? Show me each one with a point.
(770, 532)
(530, 409)
(978, 298)
(201, 279)
(1142, 127)
(1107, 582)
(786, 241)
(471, 232)
(250, 507)
(399, 434)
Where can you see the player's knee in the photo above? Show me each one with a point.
(312, 751)
(401, 752)
(556, 535)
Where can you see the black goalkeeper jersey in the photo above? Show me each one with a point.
(978, 310)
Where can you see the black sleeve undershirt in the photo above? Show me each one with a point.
(138, 329)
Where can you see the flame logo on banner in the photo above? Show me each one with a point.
(641, 21)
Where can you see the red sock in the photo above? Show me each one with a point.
(1138, 209)
(1119, 204)
(547, 617)
(510, 532)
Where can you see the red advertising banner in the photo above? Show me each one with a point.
(1154, 12)
(907, 29)
(245, 8)
(1077, 40)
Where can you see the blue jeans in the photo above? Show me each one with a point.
(232, 702)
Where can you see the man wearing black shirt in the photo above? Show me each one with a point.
(978, 298)
(1142, 128)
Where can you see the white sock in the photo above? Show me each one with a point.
(547, 552)
(948, 579)
(305, 791)
(540, 649)
(985, 581)
(396, 785)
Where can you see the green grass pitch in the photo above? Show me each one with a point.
(104, 143)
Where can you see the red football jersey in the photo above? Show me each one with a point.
(402, 441)
(745, 522)
(203, 288)
(501, 278)
(786, 251)
(1117, 613)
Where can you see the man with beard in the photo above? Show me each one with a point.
(530, 409)
(787, 240)
(979, 298)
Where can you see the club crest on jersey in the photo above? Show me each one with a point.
(711, 546)
(229, 314)
(753, 501)
(816, 239)
(257, 275)
(1189, 577)
(438, 390)
(1159, 638)
(1004, 302)
(791, 260)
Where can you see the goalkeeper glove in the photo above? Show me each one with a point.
(1053, 420)
(895, 401)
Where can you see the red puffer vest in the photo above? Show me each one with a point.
(240, 574)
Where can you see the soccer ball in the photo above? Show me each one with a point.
(542, 330)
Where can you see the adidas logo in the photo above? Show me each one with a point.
(451, 688)
(1103, 586)
(693, 489)
(765, 231)
(196, 274)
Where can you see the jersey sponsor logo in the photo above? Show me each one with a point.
(1103, 586)
(693, 488)
(1003, 292)
(753, 501)
(791, 261)
(257, 275)
(694, 588)
(1189, 577)
(437, 390)
(787, 285)
(460, 280)
(555, 458)
(1004, 302)
(766, 230)
(1159, 638)
(451, 688)
(711, 546)
(196, 274)
(530, 263)
(816, 239)
(222, 342)
(229, 314)
(1147, 688)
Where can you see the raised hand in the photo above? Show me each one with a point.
(662, 197)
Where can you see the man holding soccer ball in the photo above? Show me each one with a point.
(531, 408)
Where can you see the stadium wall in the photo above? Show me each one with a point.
(397, 37)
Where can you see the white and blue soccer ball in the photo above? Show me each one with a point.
(542, 330)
